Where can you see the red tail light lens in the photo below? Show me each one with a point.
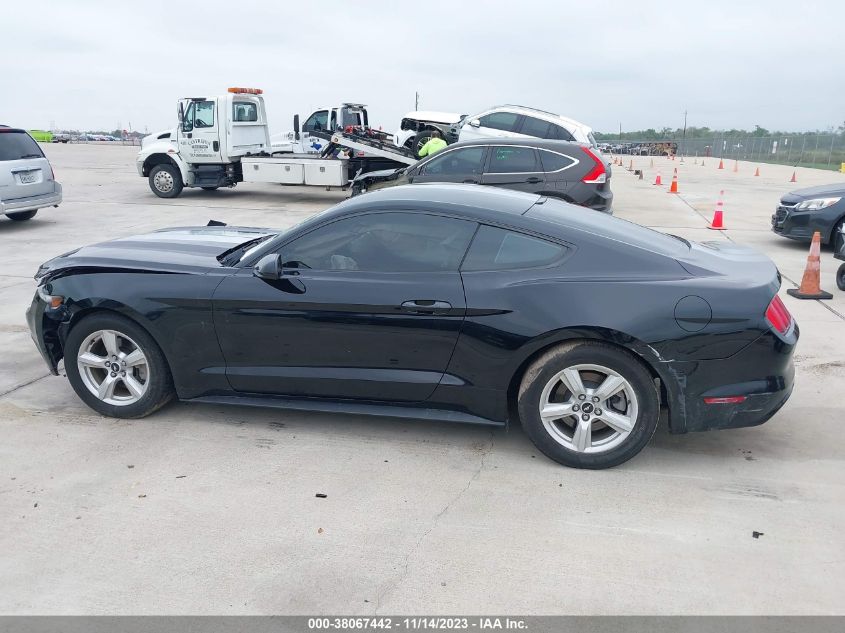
(598, 174)
(778, 316)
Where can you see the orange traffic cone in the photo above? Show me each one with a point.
(675, 173)
(721, 164)
(717, 223)
(736, 166)
(657, 180)
(793, 179)
(757, 172)
(809, 288)
(673, 157)
(673, 188)
(682, 159)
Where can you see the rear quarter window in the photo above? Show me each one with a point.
(17, 146)
(553, 161)
(500, 249)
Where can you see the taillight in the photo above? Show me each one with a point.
(778, 316)
(598, 174)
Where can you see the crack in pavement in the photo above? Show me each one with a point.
(395, 585)
(22, 385)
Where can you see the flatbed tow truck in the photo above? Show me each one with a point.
(223, 140)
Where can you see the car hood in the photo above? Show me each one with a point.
(184, 249)
(821, 191)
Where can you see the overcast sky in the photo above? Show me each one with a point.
(87, 64)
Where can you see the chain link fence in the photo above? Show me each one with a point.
(822, 151)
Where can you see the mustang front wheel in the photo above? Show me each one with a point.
(116, 367)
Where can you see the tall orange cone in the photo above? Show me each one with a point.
(721, 164)
(718, 221)
(736, 166)
(810, 288)
(793, 179)
(757, 172)
(675, 173)
(673, 188)
(657, 180)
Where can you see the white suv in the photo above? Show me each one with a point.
(26, 177)
(513, 121)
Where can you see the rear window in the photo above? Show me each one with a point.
(571, 216)
(18, 145)
(499, 249)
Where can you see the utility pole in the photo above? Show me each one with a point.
(620, 130)
(416, 101)
(685, 125)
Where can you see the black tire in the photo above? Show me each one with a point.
(209, 188)
(542, 372)
(159, 389)
(837, 238)
(420, 139)
(840, 277)
(21, 216)
(165, 187)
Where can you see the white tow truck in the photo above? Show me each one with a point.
(223, 140)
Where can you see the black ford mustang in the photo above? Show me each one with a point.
(447, 302)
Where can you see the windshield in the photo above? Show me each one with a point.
(17, 145)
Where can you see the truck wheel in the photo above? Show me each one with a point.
(419, 140)
(166, 181)
(840, 277)
(20, 216)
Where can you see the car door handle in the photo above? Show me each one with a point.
(534, 180)
(470, 181)
(426, 306)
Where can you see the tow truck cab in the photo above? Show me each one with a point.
(310, 139)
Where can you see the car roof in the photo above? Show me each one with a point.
(541, 114)
(526, 141)
(491, 199)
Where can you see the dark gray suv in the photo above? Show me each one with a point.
(569, 171)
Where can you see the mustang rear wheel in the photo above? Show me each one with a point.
(116, 368)
(588, 405)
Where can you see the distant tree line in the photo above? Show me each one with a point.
(692, 132)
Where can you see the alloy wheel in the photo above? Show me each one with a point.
(113, 367)
(588, 408)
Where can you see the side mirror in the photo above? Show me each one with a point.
(269, 267)
(180, 112)
(296, 127)
(475, 123)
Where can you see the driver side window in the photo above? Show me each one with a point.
(204, 116)
(383, 242)
(317, 122)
